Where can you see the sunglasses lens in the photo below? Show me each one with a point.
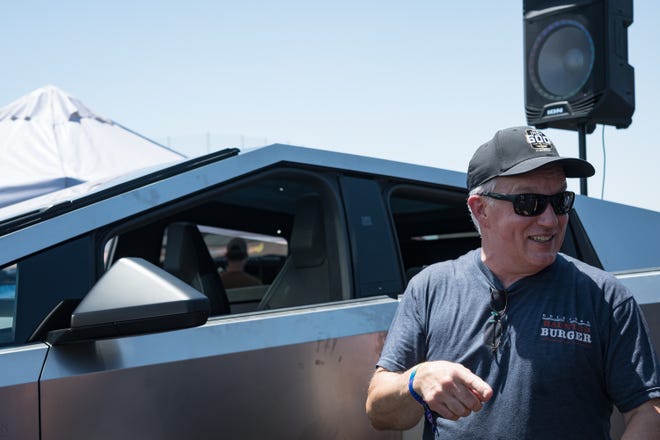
(497, 300)
(497, 334)
(529, 205)
(493, 334)
(498, 303)
(562, 202)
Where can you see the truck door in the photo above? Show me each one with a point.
(290, 358)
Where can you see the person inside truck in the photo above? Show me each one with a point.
(516, 340)
(234, 274)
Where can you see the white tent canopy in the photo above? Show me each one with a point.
(50, 140)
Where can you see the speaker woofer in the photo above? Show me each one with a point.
(561, 60)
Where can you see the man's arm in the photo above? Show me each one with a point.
(450, 389)
(643, 422)
(389, 404)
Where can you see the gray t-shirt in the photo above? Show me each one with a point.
(574, 342)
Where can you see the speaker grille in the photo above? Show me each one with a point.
(586, 105)
(561, 59)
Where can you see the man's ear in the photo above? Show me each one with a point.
(477, 205)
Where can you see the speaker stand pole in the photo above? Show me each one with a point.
(582, 144)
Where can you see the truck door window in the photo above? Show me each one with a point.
(246, 273)
(290, 223)
(431, 226)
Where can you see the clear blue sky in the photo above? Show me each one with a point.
(416, 81)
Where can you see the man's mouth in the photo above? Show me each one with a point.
(541, 238)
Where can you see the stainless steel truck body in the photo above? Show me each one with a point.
(114, 322)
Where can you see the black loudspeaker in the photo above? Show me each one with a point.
(576, 63)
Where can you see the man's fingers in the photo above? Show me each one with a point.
(467, 398)
(479, 388)
(446, 413)
(454, 400)
(458, 407)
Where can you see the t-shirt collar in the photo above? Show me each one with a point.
(496, 284)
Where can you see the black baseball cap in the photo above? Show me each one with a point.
(519, 150)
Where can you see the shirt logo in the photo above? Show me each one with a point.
(565, 330)
(538, 141)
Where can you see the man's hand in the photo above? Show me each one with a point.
(450, 389)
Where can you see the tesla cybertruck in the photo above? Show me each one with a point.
(115, 323)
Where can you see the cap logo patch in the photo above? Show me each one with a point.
(538, 141)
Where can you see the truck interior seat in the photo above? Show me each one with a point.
(188, 258)
(304, 278)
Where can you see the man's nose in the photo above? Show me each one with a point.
(548, 216)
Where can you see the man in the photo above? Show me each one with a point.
(234, 274)
(514, 340)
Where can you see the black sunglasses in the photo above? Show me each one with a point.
(531, 205)
(498, 302)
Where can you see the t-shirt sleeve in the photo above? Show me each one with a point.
(405, 345)
(633, 373)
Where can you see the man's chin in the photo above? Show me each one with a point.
(542, 260)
